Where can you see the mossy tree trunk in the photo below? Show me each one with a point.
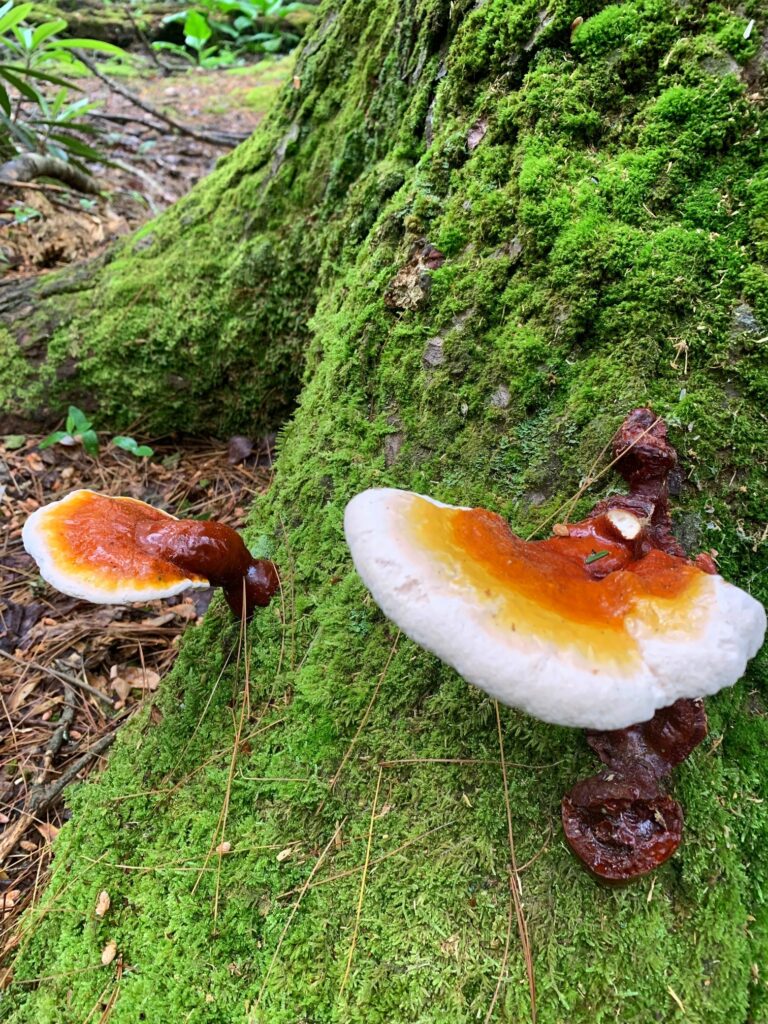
(601, 205)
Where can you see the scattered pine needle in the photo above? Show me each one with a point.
(589, 479)
(516, 894)
(366, 714)
(363, 880)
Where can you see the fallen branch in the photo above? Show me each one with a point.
(63, 677)
(29, 166)
(214, 138)
(42, 796)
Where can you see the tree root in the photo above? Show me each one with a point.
(28, 166)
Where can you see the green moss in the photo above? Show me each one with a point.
(587, 259)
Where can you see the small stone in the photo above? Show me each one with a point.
(501, 397)
(433, 353)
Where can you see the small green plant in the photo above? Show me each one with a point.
(79, 430)
(217, 32)
(33, 117)
(129, 444)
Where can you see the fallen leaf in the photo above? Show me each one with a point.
(47, 830)
(134, 678)
(109, 952)
(476, 134)
(185, 610)
(103, 903)
(238, 449)
(27, 846)
(285, 854)
(223, 848)
(9, 899)
(160, 620)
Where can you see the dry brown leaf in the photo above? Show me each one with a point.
(285, 854)
(47, 830)
(9, 899)
(223, 848)
(109, 952)
(134, 678)
(160, 620)
(185, 610)
(27, 846)
(20, 694)
(103, 903)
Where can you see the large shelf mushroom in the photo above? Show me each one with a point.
(599, 626)
(115, 550)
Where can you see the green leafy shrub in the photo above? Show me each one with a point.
(217, 32)
(34, 117)
(79, 430)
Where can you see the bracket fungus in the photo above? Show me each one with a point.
(113, 550)
(604, 625)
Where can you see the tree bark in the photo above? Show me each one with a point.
(471, 237)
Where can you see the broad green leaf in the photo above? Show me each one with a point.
(54, 438)
(77, 146)
(92, 44)
(77, 421)
(90, 442)
(23, 87)
(144, 451)
(196, 30)
(48, 28)
(5, 101)
(14, 441)
(24, 34)
(10, 16)
(126, 443)
(19, 69)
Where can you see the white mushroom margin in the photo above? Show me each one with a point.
(36, 544)
(553, 683)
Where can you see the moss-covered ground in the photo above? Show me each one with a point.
(601, 199)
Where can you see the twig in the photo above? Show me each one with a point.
(41, 797)
(63, 677)
(151, 51)
(58, 737)
(228, 139)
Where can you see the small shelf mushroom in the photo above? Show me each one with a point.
(599, 626)
(114, 550)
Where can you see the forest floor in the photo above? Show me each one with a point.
(45, 226)
(88, 668)
(71, 673)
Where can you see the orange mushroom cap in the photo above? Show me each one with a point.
(589, 629)
(88, 546)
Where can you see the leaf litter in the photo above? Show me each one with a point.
(70, 672)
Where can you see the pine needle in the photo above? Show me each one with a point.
(516, 900)
(362, 881)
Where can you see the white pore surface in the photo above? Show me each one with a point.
(558, 683)
(85, 586)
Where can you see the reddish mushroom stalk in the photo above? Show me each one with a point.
(621, 823)
(217, 552)
(112, 550)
